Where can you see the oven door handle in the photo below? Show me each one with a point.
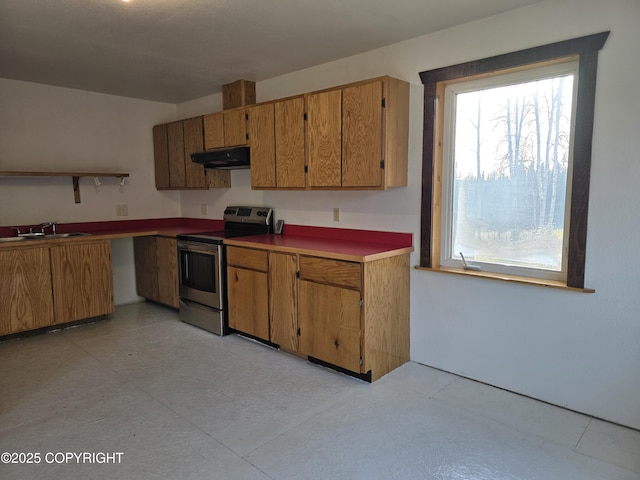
(185, 263)
(197, 249)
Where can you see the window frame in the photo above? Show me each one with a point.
(586, 50)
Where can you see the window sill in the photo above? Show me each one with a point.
(508, 278)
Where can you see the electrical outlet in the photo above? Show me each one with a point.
(204, 209)
(336, 214)
(122, 210)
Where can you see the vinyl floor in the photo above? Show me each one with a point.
(144, 396)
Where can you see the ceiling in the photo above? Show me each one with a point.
(178, 50)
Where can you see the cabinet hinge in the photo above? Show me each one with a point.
(247, 136)
(361, 362)
(297, 274)
(361, 303)
(246, 116)
(305, 116)
(382, 164)
(298, 332)
(306, 169)
(384, 103)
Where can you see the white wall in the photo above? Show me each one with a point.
(572, 349)
(51, 129)
(48, 128)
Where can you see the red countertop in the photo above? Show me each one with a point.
(338, 243)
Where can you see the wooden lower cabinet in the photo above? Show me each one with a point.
(283, 300)
(330, 328)
(82, 280)
(248, 291)
(26, 299)
(156, 263)
(353, 315)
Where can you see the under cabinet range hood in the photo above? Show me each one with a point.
(223, 159)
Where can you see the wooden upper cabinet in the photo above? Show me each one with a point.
(362, 135)
(193, 143)
(161, 155)
(175, 140)
(289, 139)
(235, 127)
(260, 126)
(213, 131)
(225, 129)
(324, 139)
(357, 135)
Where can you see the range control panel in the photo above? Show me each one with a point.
(260, 215)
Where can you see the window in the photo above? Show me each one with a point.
(506, 161)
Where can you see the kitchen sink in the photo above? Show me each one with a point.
(42, 237)
(12, 239)
(65, 235)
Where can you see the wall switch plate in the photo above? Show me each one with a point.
(204, 209)
(336, 214)
(122, 210)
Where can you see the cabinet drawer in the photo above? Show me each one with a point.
(333, 272)
(247, 258)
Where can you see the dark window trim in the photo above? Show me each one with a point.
(587, 48)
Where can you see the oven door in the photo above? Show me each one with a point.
(200, 273)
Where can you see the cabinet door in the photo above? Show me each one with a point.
(145, 253)
(289, 133)
(235, 128)
(283, 300)
(324, 139)
(82, 280)
(26, 301)
(156, 265)
(161, 156)
(167, 249)
(262, 143)
(248, 297)
(362, 135)
(213, 130)
(193, 142)
(175, 139)
(330, 324)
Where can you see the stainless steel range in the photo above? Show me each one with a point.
(202, 266)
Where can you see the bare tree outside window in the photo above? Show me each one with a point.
(511, 153)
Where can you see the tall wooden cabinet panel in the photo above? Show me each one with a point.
(283, 300)
(26, 300)
(175, 138)
(248, 291)
(324, 139)
(82, 280)
(167, 271)
(161, 155)
(290, 144)
(362, 135)
(157, 269)
(193, 143)
(260, 126)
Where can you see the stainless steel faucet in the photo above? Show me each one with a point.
(42, 227)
